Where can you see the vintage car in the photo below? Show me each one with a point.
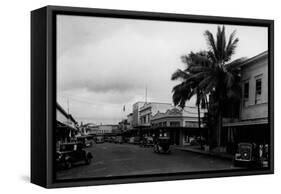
(86, 140)
(136, 140)
(162, 145)
(119, 139)
(70, 154)
(146, 142)
(247, 154)
(99, 139)
(107, 139)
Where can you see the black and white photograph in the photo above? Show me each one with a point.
(144, 97)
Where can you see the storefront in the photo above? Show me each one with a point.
(250, 131)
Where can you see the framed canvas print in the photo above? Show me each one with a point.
(126, 96)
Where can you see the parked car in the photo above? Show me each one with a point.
(136, 140)
(119, 139)
(86, 140)
(99, 139)
(147, 142)
(162, 145)
(107, 139)
(111, 139)
(126, 139)
(131, 140)
(247, 154)
(70, 154)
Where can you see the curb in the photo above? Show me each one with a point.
(229, 157)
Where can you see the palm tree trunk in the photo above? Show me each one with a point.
(219, 128)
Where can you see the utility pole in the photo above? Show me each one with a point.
(67, 106)
(145, 93)
(68, 119)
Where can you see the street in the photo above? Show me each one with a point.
(111, 159)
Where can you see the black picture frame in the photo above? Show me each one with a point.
(43, 93)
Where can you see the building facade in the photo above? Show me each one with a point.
(130, 121)
(66, 126)
(252, 122)
(178, 124)
(150, 109)
(135, 114)
(103, 129)
(64, 118)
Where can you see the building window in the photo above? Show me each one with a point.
(143, 119)
(246, 94)
(258, 90)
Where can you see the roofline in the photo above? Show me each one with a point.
(69, 116)
(146, 105)
(152, 102)
(138, 102)
(174, 116)
(159, 103)
(255, 58)
(62, 110)
(109, 125)
(72, 118)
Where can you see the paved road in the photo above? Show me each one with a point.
(125, 159)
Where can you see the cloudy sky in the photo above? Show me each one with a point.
(106, 63)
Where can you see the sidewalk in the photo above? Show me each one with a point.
(196, 149)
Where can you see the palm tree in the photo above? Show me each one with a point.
(213, 73)
(189, 87)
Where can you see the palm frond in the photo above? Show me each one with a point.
(204, 82)
(179, 75)
(198, 69)
(231, 46)
(181, 93)
(220, 44)
(211, 42)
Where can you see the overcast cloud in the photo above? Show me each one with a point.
(106, 63)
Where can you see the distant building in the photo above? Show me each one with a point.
(150, 109)
(123, 125)
(251, 124)
(130, 121)
(104, 129)
(179, 124)
(66, 125)
(135, 114)
(89, 128)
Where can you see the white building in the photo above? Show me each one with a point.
(251, 124)
(149, 109)
(179, 124)
(103, 129)
(135, 114)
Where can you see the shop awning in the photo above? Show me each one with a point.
(246, 122)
